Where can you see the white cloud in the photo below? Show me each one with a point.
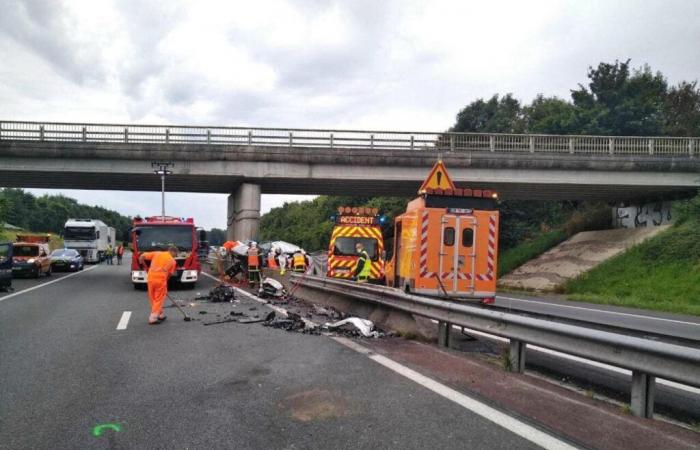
(315, 63)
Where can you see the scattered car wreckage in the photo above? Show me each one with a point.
(307, 319)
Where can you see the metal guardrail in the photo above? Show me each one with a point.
(351, 139)
(646, 358)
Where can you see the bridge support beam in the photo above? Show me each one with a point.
(244, 213)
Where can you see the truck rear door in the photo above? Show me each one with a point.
(448, 255)
(466, 255)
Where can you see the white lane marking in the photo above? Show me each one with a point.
(46, 284)
(124, 321)
(536, 348)
(511, 424)
(600, 310)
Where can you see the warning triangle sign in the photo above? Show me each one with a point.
(437, 179)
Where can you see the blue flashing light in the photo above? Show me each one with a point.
(382, 219)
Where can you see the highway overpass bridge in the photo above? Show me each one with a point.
(245, 162)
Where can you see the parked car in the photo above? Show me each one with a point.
(5, 265)
(66, 259)
(31, 259)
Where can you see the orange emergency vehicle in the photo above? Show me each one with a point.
(446, 243)
(356, 225)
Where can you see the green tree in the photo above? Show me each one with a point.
(619, 103)
(682, 110)
(497, 115)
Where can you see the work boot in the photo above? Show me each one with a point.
(153, 319)
(162, 317)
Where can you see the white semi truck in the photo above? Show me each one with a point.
(89, 237)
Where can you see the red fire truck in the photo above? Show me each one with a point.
(156, 234)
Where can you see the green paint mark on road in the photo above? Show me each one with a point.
(97, 430)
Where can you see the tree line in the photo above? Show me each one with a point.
(618, 100)
(48, 213)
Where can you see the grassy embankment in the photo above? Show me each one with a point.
(594, 216)
(11, 235)
(660, 274)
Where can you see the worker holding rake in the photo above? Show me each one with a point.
(162, 267)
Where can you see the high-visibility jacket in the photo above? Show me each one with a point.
(298, 262)
(363, 269)
(253, 258)
(272, 261)
(162, 265)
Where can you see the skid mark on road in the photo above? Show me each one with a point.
(46, 284)
(124, 321)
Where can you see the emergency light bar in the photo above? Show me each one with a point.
(357, 211)
(466, 192)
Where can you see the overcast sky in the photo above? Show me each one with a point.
(399, 65)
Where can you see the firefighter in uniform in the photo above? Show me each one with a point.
(363, 269)
(253, 264)
(299, 261)
(272, 259)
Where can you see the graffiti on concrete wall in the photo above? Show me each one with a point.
(647, 215)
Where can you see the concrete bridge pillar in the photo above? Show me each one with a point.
(244, 213)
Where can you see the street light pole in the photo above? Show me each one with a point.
(161, 168)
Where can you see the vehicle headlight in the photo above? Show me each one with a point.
(31, 261)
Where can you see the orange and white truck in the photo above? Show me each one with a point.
(446, 243)
(356, 225)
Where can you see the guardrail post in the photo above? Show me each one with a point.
(516, 356)
(492, 143)
(532, 144)
(126, 135)
(411, 142)
(444, 334)
(611, 146)
(371, 141)
(691, 144)
(41, 132)
(0, 130)
(250, 137)
(642, 398)
(571, 145)
(167, 135)
(452, 142)
(208, 136)
(331, 141)
(651, 146)
(291, 142)
(84, 134)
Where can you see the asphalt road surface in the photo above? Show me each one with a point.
(654, 323)
(67, 368)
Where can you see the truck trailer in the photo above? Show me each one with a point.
(90, 237)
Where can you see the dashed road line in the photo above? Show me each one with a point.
(510, 423)
(46, 284)
(124, 321)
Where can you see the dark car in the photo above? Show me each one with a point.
(66, 259)
(5, 265)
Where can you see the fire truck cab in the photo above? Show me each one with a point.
(156, 234)
(446, 243)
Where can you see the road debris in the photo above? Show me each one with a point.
(292, 322)
(364, 326)
(219, 294)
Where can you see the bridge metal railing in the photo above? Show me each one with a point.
(351, 139)
(646, 358)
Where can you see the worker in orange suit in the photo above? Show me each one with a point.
(162, 267)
